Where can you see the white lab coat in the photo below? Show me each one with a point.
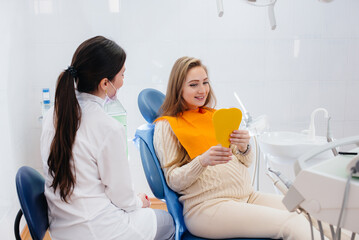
(103, 204)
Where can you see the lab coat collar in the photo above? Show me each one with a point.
(83, 97)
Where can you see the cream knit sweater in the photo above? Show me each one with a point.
(196, 183)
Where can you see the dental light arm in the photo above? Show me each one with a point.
(220, 8)
(270, 5)
(271, 16)
(257, 3)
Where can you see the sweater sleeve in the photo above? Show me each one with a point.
(246, 159)
(168, 149)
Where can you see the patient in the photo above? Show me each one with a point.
(214, 181)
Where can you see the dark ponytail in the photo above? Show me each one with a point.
(67, 120)
(94, 59)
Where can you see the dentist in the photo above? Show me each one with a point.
(88, 184)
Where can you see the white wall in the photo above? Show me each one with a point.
(311, 60)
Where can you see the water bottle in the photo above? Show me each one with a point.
(118, 112)
(45, 104)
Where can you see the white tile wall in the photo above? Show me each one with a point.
(8, 166)
(308, 18)
(351, 113)
(311, 60)
(335, 28)
(333, 63)
(353, 58)
(307, 63)
(303, 105)
(279, 59)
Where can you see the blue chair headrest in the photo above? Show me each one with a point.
(149, 103)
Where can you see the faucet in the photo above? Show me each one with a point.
(311, 131)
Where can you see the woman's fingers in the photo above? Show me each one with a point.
(221, 153)
(240, 138)
(219, 150)
(216, 155)
(221, 160)
(243, 132)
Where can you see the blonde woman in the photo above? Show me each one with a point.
(213, 181)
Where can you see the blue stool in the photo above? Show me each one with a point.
(30, 190)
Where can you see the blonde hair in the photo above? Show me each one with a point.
(174, 104)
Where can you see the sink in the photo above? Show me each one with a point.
(290, 144)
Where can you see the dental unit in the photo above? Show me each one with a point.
(317, 184)
(329, 190)
(309, 192)
(320, 176)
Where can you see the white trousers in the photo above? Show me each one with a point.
(258, 216)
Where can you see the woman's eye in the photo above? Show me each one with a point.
(205, 82)
(193, 84)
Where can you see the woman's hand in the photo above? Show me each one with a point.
(240, 138)
(215, 155)
(145, 201)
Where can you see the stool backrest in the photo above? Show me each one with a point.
(30, 191)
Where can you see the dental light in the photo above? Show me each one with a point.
(257, 3)
(260, 3)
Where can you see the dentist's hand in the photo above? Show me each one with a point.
(240, 138)
(215, 155)
(145, 201)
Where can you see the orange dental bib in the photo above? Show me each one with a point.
(194, 129)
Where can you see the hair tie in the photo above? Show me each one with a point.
(72, 71)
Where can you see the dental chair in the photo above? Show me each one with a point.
(30, 191)
(149, 103)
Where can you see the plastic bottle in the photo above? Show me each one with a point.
(116, 110)
(46, 103)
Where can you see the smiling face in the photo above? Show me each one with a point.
(195, 88)
(188, 88)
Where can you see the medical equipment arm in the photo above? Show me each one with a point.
(304, 159)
